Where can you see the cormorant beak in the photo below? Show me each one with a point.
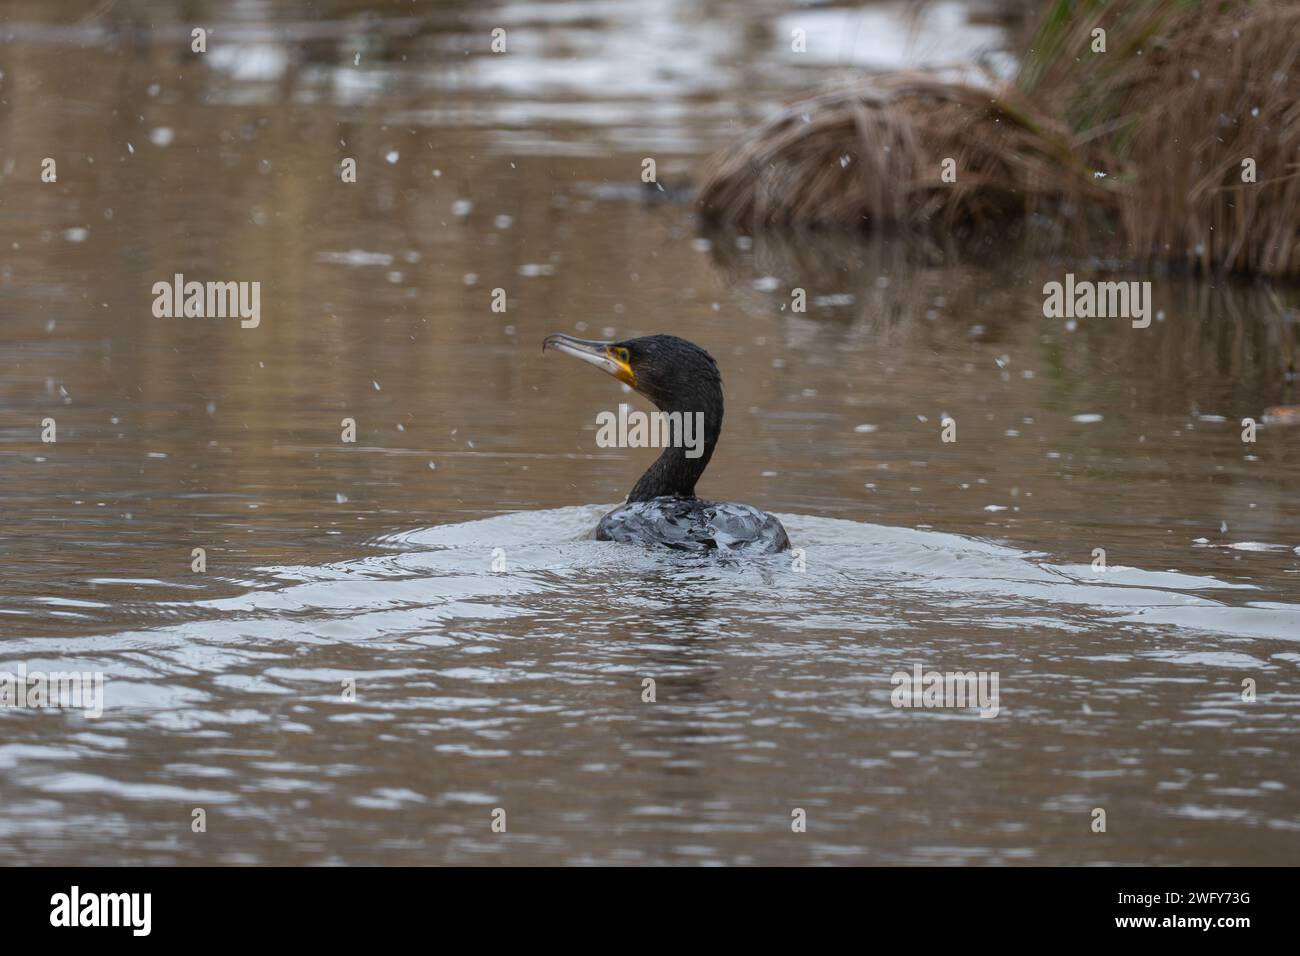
(607, 356)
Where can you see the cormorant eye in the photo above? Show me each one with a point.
(622, 354)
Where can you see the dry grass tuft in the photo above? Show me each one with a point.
(1185, 93)
(870, 156)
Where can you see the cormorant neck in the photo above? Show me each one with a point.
(674, 473)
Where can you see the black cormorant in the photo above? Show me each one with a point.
(677, 376)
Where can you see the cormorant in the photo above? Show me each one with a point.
(677, 376)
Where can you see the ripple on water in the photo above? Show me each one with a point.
(481, 688)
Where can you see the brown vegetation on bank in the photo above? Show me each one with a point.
(871, 156)
(1183, 95)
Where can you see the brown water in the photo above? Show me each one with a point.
(522, 689)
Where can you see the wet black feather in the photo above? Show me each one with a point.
(692, 524)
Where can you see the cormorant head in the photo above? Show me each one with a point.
(675, 374)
